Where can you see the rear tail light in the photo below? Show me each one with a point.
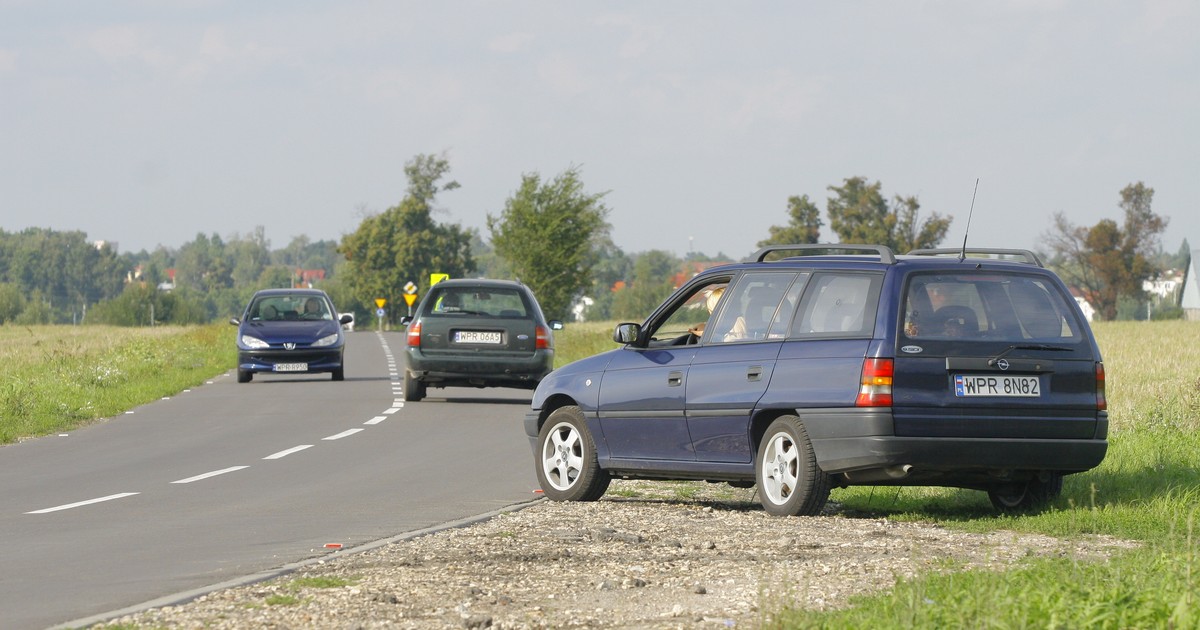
(414, 335)
(875, 388)
(544, 340)
(1101, 399)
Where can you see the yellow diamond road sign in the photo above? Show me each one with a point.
(380, 302)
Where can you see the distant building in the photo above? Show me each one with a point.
(1191, 290)
(304, 278)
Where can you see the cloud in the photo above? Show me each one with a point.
(510, 43)
(118, 44)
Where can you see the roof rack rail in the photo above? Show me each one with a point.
(1025, 255)
(886, 255)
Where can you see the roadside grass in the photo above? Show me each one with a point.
(1146, 490)
(59, 378)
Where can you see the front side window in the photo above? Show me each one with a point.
(973, 306)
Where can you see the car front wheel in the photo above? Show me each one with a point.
(244, 376)
(566, 464)
(789, 481)
(1029, 496)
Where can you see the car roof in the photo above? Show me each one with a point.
(479, 282)
(270, 292)
(850, 256)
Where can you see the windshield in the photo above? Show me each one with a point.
(290, 307)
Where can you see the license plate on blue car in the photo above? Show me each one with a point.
(966, 385)
(291, 367)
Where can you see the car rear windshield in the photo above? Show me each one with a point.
(491, 302)
(987, 307)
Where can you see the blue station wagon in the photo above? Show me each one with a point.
(971, 369)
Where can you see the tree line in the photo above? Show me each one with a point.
(551, 233)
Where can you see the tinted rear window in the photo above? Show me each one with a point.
(1000, 307)
(492, 302)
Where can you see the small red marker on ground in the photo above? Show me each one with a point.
(333, 545)
(539, 491)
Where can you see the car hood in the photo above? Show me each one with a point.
(300, 331)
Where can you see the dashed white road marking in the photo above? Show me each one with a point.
(346, 433)
(294, 449)
(376, 420)
(211, 474)
(83, 503)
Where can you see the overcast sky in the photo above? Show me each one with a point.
(148, 122)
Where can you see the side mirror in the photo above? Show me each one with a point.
(346, 319)
(555, 324)
(406, 319)
(627, 333)
(235, 321)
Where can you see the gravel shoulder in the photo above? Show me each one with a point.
(631, 560)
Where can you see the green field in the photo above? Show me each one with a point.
(1147, 489)
(58, 378)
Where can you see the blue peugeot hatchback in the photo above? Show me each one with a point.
(290, 331)
(798, 374)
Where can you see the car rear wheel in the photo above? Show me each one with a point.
(789, 481)
(566, 465)
(414, 390)
(244, 376)
(1030, 496)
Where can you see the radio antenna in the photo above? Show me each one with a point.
(967, 231)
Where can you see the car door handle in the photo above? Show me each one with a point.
(754, 373)
(674, 379)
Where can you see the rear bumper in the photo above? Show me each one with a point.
(479, 371)
(852, 441)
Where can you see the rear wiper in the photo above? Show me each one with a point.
(1029, 346)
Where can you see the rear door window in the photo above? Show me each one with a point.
(997, 307)
(759, 304)
(839, 305)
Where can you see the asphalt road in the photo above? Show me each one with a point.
(228, 480)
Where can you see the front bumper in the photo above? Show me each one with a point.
(316, 359)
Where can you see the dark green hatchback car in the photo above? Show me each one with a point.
(477, 333)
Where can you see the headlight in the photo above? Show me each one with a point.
(254, 342)
(325, 341)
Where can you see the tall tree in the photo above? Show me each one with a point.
(858, 213)
(548, 233)
(403, 243)
(804, 225)
(1107, 261)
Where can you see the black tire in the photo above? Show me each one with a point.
(1031, 496)
(244, 376)
(340, 373)
(566, 462)
(414, 390)
(789, 481)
